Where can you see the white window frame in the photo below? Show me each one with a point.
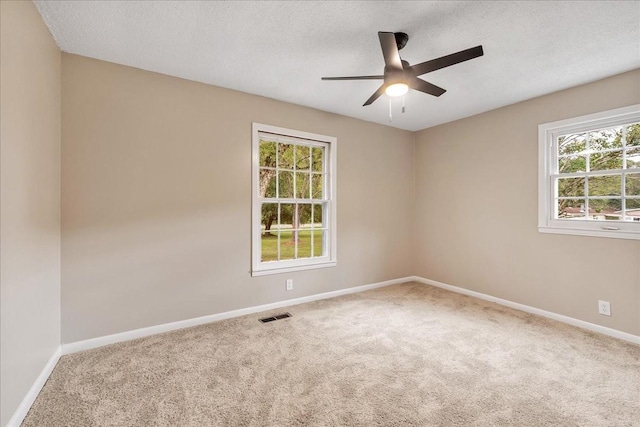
(259, 268)
(548, 134)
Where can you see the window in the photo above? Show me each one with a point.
(293, 201)
(589, 175)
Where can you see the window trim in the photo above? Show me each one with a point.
(547, 133)
(259, 268)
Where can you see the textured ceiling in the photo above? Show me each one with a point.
(281, 49)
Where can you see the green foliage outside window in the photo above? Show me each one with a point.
(601, 150)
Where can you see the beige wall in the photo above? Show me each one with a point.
(30, 200)
(156, 196)
(156, 203)
(476, 212)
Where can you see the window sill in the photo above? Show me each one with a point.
(612, 234)
(266, 272)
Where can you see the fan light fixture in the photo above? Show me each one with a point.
(397, 89)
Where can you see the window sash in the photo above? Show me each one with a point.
(280, 228)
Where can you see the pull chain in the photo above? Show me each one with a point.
(403, 107)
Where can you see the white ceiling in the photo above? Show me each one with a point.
(281, 49)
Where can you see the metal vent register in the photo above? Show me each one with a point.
(276, 317)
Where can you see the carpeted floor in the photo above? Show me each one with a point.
(404, 355)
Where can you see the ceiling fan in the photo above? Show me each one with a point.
(399, 76)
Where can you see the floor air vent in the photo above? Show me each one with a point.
(276, 317)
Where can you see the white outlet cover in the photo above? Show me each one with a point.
(604, 308)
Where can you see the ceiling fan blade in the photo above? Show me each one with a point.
(354, 78)
(390, 50)
(447, 61)
(375, 96)
(426, 87)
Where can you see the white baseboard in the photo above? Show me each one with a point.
(166, 327)
(25, 405)
(74, 347)
(528, 309)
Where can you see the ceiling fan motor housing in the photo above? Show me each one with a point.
(392, 76)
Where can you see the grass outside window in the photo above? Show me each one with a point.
(269, 245)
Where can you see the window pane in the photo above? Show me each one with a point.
(294, 241)
(569, 144)
(605, 186)
(318, 215)
(605, 161)
(269, 247)
(632, 184)
(269, 235)
(318, 243)
(302, 185)
(267, 183)
(302, 157)
(569, 209)
(317, 157)
(285, 184)
(268, 153)
(633, 158)
(287, 244)
(601, 209)
(572, 164)
(571, 187)
(605, 139)
(633, 135)
(305, 215)
(269, 217)
(304, 243)
(633, 210)
(285, 156)
(316, 186)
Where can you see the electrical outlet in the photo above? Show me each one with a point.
(289, 284)
(604, 308)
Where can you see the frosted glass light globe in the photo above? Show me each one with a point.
(397, 89)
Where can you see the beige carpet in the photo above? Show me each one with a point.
(404, 355)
